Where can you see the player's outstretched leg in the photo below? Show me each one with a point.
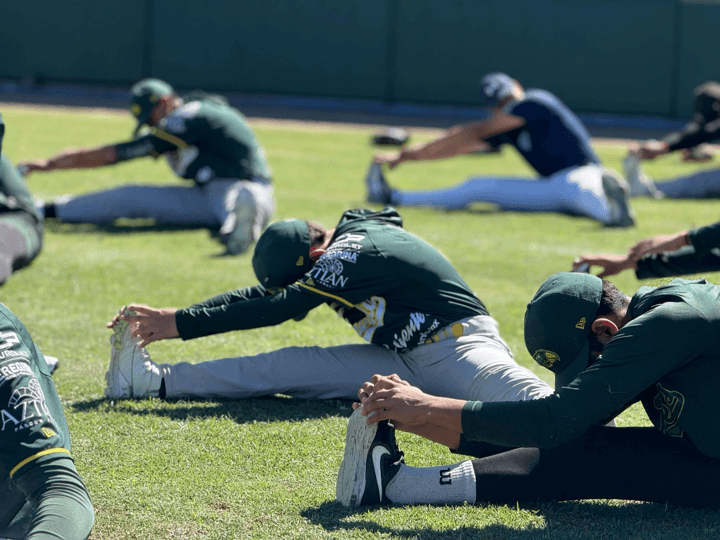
(378, 190)
(131, 373)
(371, 460)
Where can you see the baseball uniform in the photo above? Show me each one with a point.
(704, 128)
(21, 225)
(666, 357)
(554, 142)
(398, 293)
(205, 141)
(43, 495)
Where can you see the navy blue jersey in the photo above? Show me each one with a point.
(553, 138)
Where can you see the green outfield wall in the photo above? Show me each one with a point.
(612, 56)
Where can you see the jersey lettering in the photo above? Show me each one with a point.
(416, 320)
(8, 339)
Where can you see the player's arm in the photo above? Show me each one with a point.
(60, 502)
(457, 141)
(150, 324)
(84, 158)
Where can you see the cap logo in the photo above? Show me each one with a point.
(546, 358)
(153, 98)
(135, 109)
(581, 324)
(300, 261)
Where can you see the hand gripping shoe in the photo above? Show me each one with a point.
(371, 460)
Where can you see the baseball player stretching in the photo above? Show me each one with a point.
(204, 140)
(703, 128)
(42, 494)
(660, 347)
(400, 294)
(21, 225)
(686, 252)
(546, 133)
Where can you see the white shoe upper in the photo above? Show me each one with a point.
(131, 373)
(640, 183)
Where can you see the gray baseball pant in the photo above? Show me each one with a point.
(476, 366)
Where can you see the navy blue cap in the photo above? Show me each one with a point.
(496, 86)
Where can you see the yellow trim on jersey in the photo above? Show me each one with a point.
(172, 139)
(39, 455)
(323, 293)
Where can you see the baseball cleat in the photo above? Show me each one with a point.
(131, 373)
(237, 230)
(617, 193)
(371, 460)
(640, 183)
(378, 190)
(52, 362)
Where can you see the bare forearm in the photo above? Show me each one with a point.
(438, 434)
(82, 159)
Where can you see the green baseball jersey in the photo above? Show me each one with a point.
(202, 140)
(667, 356)
(39, 485)
(32, 422)
(395, 289)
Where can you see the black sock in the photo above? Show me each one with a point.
(49, 210)
(161, 394)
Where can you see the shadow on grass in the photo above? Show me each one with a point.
(241, 411)
(120, 227)
(590, 520)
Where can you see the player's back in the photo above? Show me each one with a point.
(553, 138)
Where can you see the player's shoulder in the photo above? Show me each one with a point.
(182, 118)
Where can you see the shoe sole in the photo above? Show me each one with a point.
(351, 476)
(113, 372)
(241, 237)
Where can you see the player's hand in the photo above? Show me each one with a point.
(610, 264)
(28, 167)
(392, 398)
(652, 149)
(148, 324)
(392, 160)
(658, 244)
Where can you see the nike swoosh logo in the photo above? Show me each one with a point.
(377, 454)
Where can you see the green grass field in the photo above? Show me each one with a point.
(265, 468)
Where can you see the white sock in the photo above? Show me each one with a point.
(433, 485)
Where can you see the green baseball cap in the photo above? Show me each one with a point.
(282, 253)
(557, 323)
(145, 95)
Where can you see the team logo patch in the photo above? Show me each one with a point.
(300, 261)
(546, 358)
(670, 403)
(581, 324)
(48, 432)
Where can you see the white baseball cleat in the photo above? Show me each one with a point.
(237, 230)
(640, 183)
(617, 193)
(52, 363)
(131, 373)
(371, 460)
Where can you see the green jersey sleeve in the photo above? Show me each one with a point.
(660, 341)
